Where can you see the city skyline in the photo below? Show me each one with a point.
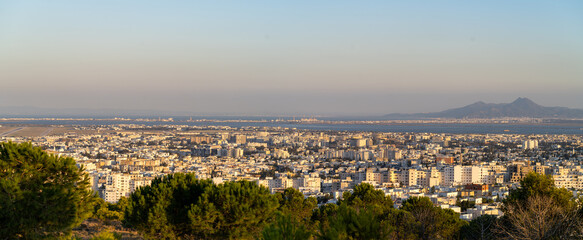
(259, 58)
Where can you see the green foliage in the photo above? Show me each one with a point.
(180, 206)
(365, 196)
(286, 227)
(110, 211)
(373, 219)
(400, 224)
(237, 210)
(465, 204)
(534, 184)
(481, 228)
(41, 194)
(487, 200)
(432, 222)
(107, 235)
(449, 224)
(293, 203)
(350, 223)
(159, 210)
(539, 210)
(321, 215)
(417, 204)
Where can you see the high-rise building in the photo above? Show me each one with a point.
(452, 175)
(530, 144)
(471, 175)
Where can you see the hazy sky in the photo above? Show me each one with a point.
(289, 57)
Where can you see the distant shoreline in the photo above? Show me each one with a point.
(326, 121)
(414, 126)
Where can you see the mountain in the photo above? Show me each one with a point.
(521, 107)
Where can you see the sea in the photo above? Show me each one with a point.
(239, 122)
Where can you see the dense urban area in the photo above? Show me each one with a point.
(467, 173)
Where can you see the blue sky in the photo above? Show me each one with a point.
(292, 57)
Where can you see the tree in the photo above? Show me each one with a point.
(238, 210)
(465, 204)
(400, 224)
(350, 223)
(180, 206)
(293, 203)
(159, 210)
(41, 195)
(110, 211)
(539, 210)
(539, 218)
(481, 228)
(535, 184)
(432, 222)
(321, 215)
(365, 196)
(286, 227)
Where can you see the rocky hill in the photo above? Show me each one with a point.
(521, 107)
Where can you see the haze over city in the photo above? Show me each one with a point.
(300, 57)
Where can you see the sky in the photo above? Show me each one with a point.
(289, 57)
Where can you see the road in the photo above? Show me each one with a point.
(11, 132)
(46, 132)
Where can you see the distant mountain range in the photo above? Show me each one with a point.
(521, 107)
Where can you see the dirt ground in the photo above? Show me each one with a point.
(92, 227)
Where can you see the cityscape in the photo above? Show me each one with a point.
(448, 168)
(303, 120)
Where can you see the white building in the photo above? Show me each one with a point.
(471, 174)
(530, 144)
(452, 175)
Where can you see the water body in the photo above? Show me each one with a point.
(415, 128)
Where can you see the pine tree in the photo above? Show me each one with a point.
(179, 206)
(41, 194)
